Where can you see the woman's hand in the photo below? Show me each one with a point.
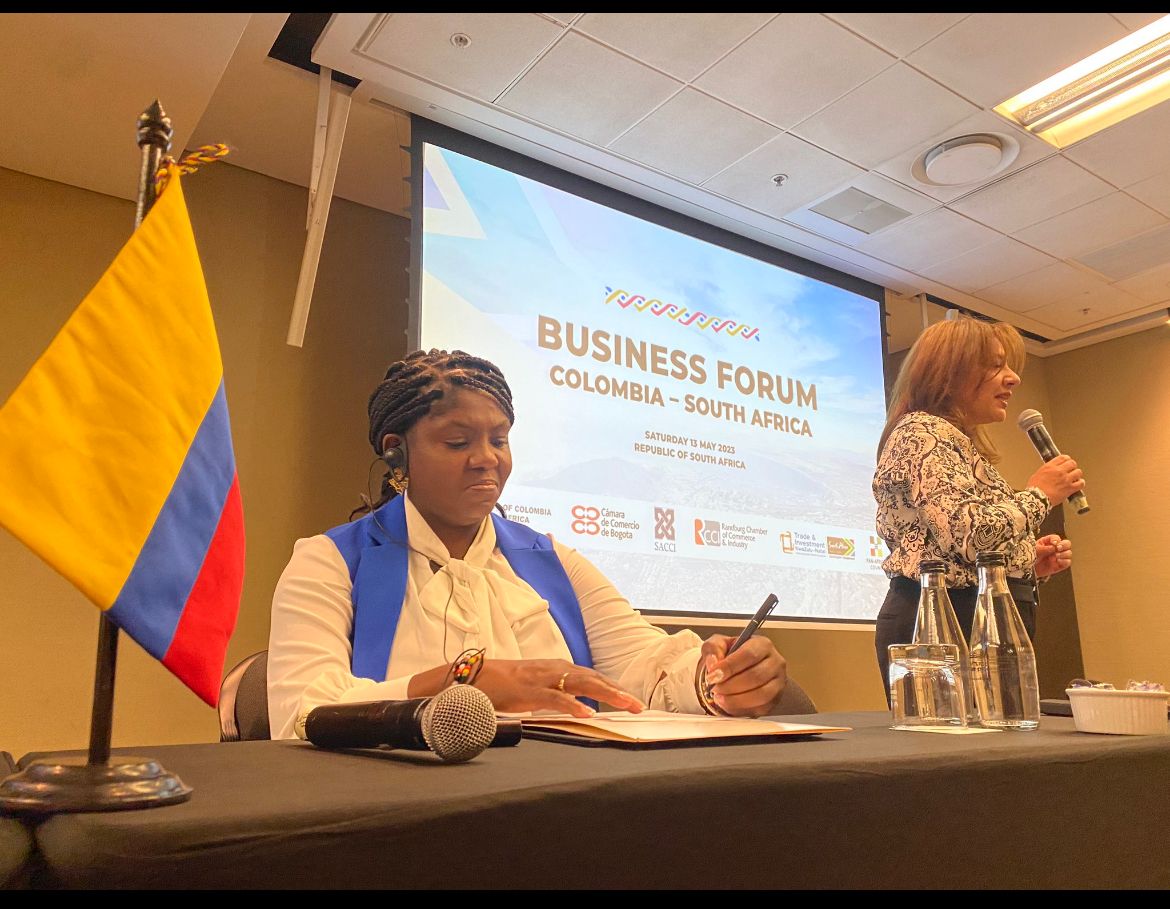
(1053, 555)
(521, 685)
(750, 681)
(1058, 479)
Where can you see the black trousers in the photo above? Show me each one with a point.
(895, 622)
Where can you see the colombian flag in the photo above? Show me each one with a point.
(116, 454)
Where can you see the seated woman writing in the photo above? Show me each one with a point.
(386, 606)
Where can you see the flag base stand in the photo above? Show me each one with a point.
(62, 784)
(69, 785)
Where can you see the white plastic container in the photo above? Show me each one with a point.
(1119, 712)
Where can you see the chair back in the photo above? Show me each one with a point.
(243, 701)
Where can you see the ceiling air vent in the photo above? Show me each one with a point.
(859, 210)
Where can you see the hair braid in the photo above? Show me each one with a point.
(413, 384)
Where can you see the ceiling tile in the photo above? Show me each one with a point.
(502, 45)
(894, 111)
(1154, 191)
(1037, 288)
(693, 137)
(811, 174)
(990, 57)
(931, 238)
(825, 234)
(1151, 287)
(572, 89)
(566, 18)
(1086, 308)
(1103, 222)
(682, 44)
(1041, 191)
(1128, 152)
(1131, 256)
(827, 228)
(899, 33)
(1134, 21)
(1029, 151)
(793, 67)
(998, 261)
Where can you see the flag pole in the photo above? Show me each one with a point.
(101, 721)
(154, 139)
(48, 786)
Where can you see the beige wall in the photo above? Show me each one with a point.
(1111, 411)
(836, 666)
(298, 417)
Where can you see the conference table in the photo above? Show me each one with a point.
(871, 807)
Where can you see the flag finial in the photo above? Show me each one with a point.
(154, 127)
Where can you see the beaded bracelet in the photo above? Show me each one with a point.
(466, 667)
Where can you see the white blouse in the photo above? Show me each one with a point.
(477, 601)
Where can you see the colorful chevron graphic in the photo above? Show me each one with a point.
(680, 314)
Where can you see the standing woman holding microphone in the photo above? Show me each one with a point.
(938, 493)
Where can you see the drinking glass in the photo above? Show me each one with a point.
(926, 686)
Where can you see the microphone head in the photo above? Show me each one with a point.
(458, 723)
(1030, 418)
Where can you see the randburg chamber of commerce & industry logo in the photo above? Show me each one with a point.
(708, 533)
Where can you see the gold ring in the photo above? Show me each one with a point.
(561, 683)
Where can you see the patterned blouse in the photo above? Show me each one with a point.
(939, 498)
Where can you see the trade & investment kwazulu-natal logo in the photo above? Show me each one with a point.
(680, 314)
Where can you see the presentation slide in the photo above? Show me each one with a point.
(699, 423)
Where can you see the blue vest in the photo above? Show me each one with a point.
(375, 551)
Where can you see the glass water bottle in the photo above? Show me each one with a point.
(1003, 663)
(936, 624)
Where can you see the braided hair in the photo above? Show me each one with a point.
(413, 384)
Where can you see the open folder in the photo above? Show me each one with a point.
(655, 728)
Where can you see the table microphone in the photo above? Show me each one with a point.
(456, 724)
(1032, 422)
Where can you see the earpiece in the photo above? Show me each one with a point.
(396, 461)
(395, 457)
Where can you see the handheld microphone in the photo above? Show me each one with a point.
(1032, 422)
(456, 724)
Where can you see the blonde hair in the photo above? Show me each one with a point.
(947, 362)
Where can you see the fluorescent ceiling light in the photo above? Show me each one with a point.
(1123, 79)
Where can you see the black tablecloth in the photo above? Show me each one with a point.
(868, 808)
(16, 842)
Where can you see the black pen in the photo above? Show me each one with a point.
(754, 625)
